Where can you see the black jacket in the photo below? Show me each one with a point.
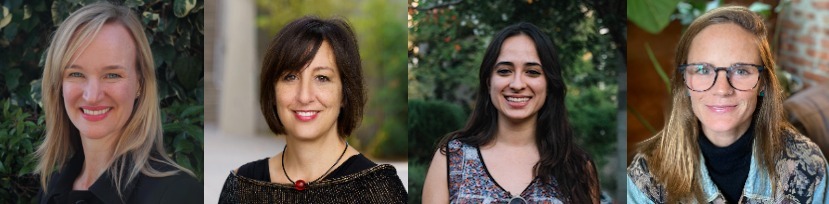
(179, 188)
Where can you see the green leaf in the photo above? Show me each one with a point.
(642, 119)
(651, 15)
(10, 31)
(186, 72)
(7, 17)
(192, 111)
(184, 162)
(12, 76)
(658, 68)
(182, 144)
(182, 7)
(134, 3)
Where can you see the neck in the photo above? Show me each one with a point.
(97, 157)
(725, 138)
(310, 159)
(516, 133)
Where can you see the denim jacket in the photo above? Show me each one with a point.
(801, 174)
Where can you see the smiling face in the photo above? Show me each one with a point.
(308, 102)
(517, 86)
(100, 84)
(722, 110)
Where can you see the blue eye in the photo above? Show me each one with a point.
(701, 69)
(75, 74)
(112, 76)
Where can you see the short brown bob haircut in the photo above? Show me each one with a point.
(294, 47)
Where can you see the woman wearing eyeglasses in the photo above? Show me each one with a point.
(517, 146)
(726, 139)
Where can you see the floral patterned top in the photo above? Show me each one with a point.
(801, 170)
(470, 181)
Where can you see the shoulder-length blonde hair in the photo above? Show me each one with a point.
(141, 139)
(673, 153)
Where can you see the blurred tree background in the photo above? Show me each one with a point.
(447, 40)
(175, 32)
(380, 26)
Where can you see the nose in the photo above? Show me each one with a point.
(92, 91)
(306, 92)
(517, 84)
(721, 85)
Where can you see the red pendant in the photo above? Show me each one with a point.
(300, 185)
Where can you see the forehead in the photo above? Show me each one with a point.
(111, 45)
(520, 48)
(724, 44)
(322, 59)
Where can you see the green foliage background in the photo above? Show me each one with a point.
(447, 40)
(380, 28)
(175, 29)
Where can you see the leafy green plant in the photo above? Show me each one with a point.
(20, 133)
(429, 121)
(184, 134)
(417, 176)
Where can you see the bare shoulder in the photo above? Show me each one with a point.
(436, 186)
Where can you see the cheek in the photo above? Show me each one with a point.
(71, 92)
(538, 85)
(282, 95)
(332, 95)
(750, 101)
(497, 84)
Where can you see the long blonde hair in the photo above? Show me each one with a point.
(141, 139)
(673, 153)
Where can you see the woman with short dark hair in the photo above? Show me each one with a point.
(312, 92)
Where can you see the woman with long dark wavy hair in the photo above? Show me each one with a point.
(519, 127)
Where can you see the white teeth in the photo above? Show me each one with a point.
(514, 99)
(95, 112)
(306, 113)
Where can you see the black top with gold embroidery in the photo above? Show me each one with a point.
(378, 184)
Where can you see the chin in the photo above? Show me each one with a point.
(305, 133)
(721, 126)
(93, 135)
(517, 116)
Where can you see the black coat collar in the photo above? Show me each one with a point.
(103, 188)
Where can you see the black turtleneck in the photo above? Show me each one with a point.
(728, 166)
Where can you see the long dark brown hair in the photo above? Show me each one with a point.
(561, 160)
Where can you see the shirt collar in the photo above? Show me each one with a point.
(758, 184)
(103, 188)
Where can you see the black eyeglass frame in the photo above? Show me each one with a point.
(729, 69)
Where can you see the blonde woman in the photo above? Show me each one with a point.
(726, 139)
(103, 128)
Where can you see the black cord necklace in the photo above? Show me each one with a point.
(301, 184)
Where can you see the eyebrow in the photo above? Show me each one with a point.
(321, 68)
(108, 67)
(512, 64)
